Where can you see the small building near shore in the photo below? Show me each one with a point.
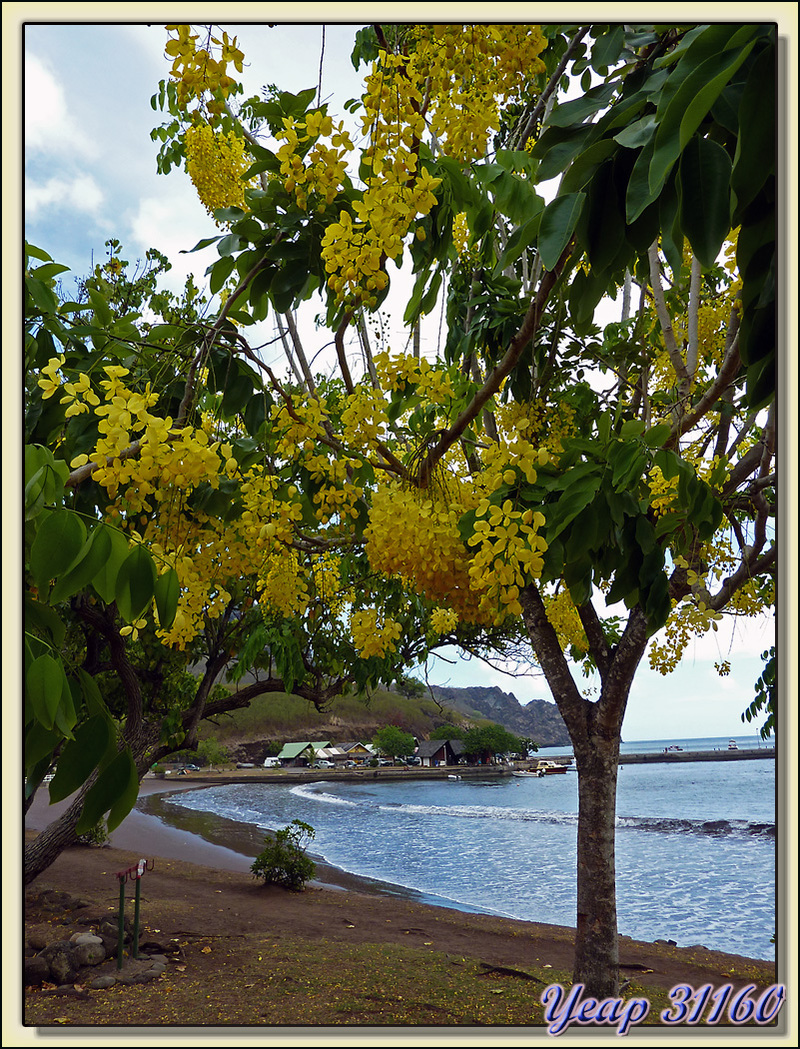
(295, 755)
(435, 752)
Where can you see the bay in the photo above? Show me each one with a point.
(695, 842)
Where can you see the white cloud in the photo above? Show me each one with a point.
(49, 126)
(80, 193)
(174, 223)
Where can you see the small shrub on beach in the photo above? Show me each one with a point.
(284, 860)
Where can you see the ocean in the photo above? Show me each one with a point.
(695, 842)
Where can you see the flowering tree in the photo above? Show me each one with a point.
(535, 477)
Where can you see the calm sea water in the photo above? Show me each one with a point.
(695, 842)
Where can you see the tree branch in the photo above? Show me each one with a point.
(495, 379)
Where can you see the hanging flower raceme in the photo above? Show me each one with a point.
(216, 162)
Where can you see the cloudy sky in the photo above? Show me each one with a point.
(90, 174)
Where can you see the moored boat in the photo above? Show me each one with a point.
(550, 768)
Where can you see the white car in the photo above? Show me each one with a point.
(271, 763)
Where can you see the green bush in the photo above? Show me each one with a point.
(284, 860)
(98, 836)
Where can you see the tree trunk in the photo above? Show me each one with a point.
(60, 834)
(57, 836)
(596, 950)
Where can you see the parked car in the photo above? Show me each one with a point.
(272, 763)
(323, 765)
(191, 768)
(245, 765)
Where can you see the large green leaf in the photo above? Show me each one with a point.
(81, 756)
(45, 684)
(90, 560)
(574, 501)
(136, 582)
(59, 539)
(114, 792)
(704, 189)
(753, 162)
(104, 580)
(689, 107)
(167, 592)
(557, 226)
(40, 745)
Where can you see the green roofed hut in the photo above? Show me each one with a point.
(295, 755)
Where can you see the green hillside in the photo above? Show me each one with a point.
(278, 718)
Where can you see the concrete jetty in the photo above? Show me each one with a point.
(744, 754)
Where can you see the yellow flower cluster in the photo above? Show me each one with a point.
(326, 573)
(216, 162)
(364, 417)
(321, 173)
(469, 69)
(412, 538)
(79, 395)
(663, 493)
(371, 636)
(198, 73)
(690, 617)
(563, 616)
(434, 383)
(268, 515)
(282, 586)
(443, 621)
(509, 554)
(337, 496)
(397, 191)
(301, 426)
(148, 491)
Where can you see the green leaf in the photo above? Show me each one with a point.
(657, 434)
(135, 584)
(574, 501)
(104, 580)
(115, 792)
(45, 620)
(632, 428)
(89, 562)
(220, 272)
(576, 111)
(59, 539)
(45, 683)
(637, 134)
(103, 315)
(557, 226)
(40, 743)
(753, 161)
(704, 188)
(80, 757)
(689, 106)
(43, 297)
(167, 593)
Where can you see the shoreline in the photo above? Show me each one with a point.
(192, 836)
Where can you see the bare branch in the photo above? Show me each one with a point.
(663, 315)
(527, 123)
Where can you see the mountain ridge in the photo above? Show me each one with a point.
(538, 720)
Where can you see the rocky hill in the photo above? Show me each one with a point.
(538, 720)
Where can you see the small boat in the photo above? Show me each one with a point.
(451, 776)
(550, 768)
(732, 744)
(529, 773)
